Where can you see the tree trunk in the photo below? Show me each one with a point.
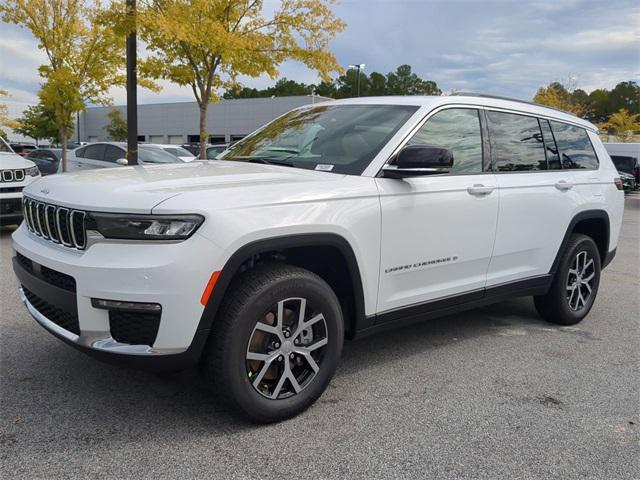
(203, 130)
(63, 140)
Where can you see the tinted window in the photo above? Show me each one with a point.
(213, 152)
(94, 152)
(516, 142)
(458, 130)
(553, 158)
(156, 155)
(79, 152)
(575, 147)
(624, 164)
(112, 153)
(178, 152)
(334, 138)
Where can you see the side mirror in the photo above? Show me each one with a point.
(122, 161)
(414, 160)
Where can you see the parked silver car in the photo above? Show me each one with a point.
(113, 154)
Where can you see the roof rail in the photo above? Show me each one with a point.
(498, 97)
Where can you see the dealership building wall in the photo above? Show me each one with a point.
(177, 123)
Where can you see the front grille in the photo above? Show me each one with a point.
(16, 175)
(11, 189)
(62, 318)
(56, 224)
(10, 205)
(134, 328)
(25, 262)
(59, 279)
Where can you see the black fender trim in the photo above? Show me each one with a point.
(586, 215)
(244, 253)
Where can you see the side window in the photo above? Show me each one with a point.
(94, 152)
(576, 150)
(458, 130)
(79, 152)
(111, 153)
(516, 142)
(553, 159)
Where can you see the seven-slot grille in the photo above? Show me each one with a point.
(12, 175)
(61, 225)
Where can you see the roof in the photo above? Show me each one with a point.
(477, 100)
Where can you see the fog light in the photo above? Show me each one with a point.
(129, 306)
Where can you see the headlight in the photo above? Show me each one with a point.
(144, 227)
(32, 171)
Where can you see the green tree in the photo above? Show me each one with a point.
(624, 124)
(206, 44)
(85, 55)
(117, 126)
(39, 123)
(404, 82)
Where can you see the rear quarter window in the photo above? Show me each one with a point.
(574, 145)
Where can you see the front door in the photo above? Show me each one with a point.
(438, 231)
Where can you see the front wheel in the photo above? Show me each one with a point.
(575, 284)
(275, 343)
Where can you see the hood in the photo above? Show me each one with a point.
(11, 161)
(138, 189)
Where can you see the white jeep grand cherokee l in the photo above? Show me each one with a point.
(335, 220)
(16, 173)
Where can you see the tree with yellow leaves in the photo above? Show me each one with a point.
(206, 44)
(5, 121)
(624, 124)
(562, 97)
(85, 55)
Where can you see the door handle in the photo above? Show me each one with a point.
(479, 190)
(563, 185)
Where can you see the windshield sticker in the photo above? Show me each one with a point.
(324, 167)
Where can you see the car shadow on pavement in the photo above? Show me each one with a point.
(110, 400)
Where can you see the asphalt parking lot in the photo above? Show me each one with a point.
(491, 393)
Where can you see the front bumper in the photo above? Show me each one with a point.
(171, 275)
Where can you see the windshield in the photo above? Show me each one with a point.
(178, 152)
(156, 155)
(4, 148)
(332, 138)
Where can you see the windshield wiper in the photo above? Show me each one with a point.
(266, 161)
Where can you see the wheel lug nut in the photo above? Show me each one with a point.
(296, 341)
(286, 334)
(277, 345)
(292, 356)
(280, 358)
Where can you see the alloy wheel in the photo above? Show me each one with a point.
(580, 281)
(286, 348)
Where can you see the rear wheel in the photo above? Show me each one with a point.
(575, 284)
(276, 342)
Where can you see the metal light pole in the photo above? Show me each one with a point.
(132, 94)
(359, 67)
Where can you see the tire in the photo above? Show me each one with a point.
(565, 302)
(260, 308)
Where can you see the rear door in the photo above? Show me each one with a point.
(438, 230)
(94, 156)
(542, 186)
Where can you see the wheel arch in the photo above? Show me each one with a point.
(246, 253)
(593, 223)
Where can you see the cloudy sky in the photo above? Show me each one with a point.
(507, 47)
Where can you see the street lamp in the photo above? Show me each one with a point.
(359, 67)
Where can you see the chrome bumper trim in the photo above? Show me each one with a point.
(101, 341)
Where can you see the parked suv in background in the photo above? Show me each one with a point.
(16, 173)
(113, 154)
(334, 221)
